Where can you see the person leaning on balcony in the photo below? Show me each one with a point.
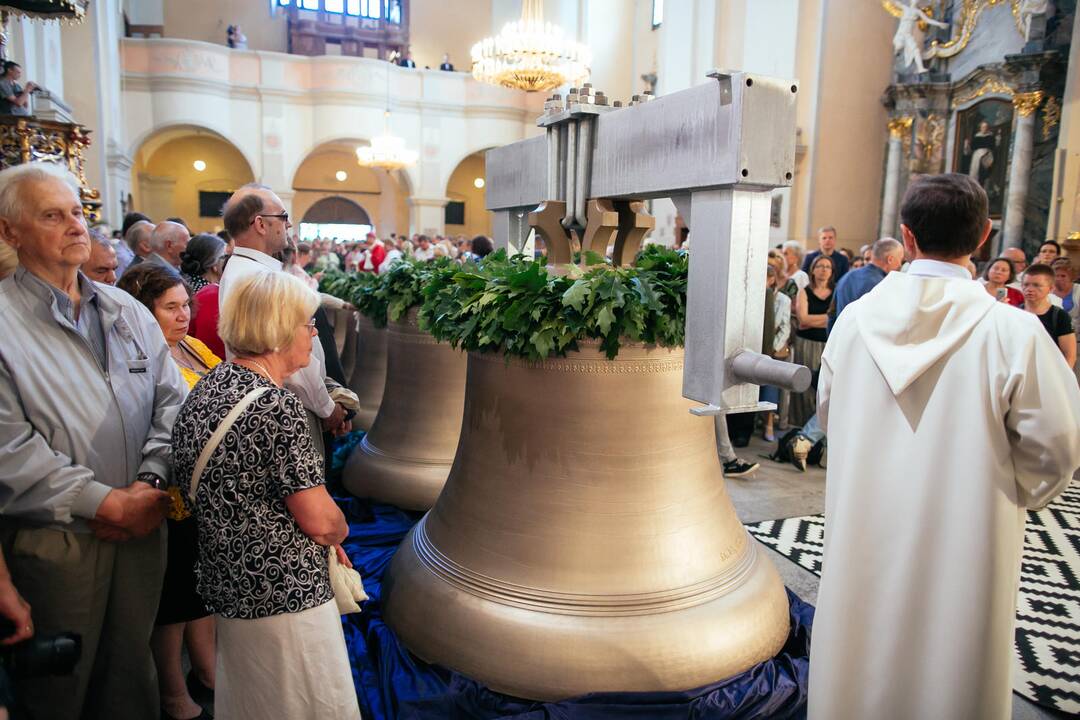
(14, 98)
(88, 396)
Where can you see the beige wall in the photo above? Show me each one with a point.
(207, 20)
(645, 46)
(608, 33)
(436, 26)
(806, 115)
(461, 187)
(166, 184)
(447, 26)
(373, 190)
(849, 127)
(1065, 212)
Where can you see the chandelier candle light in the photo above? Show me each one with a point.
(531, 55)
(386, 151)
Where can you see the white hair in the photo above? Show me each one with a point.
(164, 232)
(100, 238)
(885, 247)
(13, 178)
(138, 232)
(795, 246)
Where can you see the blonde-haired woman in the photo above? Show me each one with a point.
(265, 519)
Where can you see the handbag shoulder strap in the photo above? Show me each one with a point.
(219, 434)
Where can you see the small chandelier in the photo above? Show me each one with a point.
(531, 55)
(386, 151)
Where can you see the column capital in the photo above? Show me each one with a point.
(898, 127)
(1027, 103)
(428, 202)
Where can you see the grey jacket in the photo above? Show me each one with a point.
(70, 432)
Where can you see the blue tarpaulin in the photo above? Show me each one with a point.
(391, 683)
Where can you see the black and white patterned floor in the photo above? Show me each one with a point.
(1047, 645)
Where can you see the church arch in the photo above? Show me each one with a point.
(187, 171)
(331, 170)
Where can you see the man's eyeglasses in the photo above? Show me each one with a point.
(284, 217)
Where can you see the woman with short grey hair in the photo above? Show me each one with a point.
(244, 457)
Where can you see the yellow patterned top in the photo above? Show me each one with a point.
(205, 355)
(179, 509)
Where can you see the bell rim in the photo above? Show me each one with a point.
(550, 601)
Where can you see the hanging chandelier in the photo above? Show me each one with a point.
(531, 55)
(386, 151)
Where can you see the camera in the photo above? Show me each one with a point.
(40, 655)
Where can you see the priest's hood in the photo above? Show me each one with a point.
(909, 323)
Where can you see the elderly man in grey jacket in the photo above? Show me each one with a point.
(88, 395)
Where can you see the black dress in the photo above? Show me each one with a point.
(180, 602)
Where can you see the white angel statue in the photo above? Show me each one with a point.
(1029, 9)
(904, 40)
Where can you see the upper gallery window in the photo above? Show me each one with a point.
(372, 9)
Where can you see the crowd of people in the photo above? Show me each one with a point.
(809, 292)
(178, 501)
(375, 255)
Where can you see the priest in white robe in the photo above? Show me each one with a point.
(950, 415)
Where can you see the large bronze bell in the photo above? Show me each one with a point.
(406, 456)
(585, 541)
(369, 371)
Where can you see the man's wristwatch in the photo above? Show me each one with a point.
(152, 479)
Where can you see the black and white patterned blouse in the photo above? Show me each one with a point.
(254, 561)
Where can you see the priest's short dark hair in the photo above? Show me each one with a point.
(946, 213)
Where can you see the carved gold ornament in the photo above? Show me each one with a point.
(930, 140)
(966, 21)
(1051, 116)
(989, 85)
(899, 127)
(25, 140)
(1027, 103)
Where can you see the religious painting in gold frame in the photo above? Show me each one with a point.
(983, 137)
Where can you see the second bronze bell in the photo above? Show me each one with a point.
(369, 373)
(405, 457)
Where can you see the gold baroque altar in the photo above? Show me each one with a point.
(28, 139)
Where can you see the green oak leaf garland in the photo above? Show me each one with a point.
(512, 305)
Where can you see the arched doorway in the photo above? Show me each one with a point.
(187, 172)
(335, 218)
(466, 190)
(331, 171)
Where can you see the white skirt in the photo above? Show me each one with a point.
(291, 666)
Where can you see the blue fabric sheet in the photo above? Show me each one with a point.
(391, 683)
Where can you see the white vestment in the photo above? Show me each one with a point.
(948, 414)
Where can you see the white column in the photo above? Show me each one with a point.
(890, 202)
(1020, 167)
(427, 215)
(287, 201)
(156, 195)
